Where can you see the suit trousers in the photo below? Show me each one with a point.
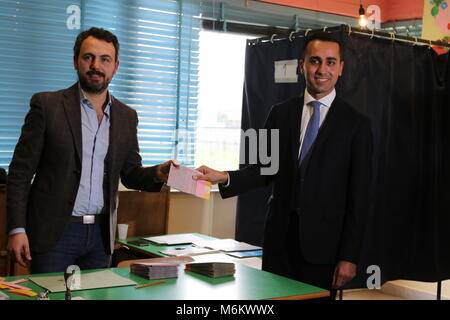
(319, 275)
(83, 245)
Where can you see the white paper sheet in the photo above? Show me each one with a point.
(91, 280)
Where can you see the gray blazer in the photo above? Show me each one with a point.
(49, 148)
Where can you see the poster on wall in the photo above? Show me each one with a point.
(436, 22)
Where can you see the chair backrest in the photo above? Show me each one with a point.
(181, 259)
(146, 213)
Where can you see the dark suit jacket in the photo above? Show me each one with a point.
(332, 198)
(50, 149)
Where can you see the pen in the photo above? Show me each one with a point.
(149, 284)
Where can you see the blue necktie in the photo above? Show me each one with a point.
(311, 130)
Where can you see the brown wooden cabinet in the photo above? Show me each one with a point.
(146, 213)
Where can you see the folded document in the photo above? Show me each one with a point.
(180, 178)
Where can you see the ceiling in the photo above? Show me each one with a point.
(397, 10)
(314, 14)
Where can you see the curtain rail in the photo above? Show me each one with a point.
(277, 33)
(378, 34)
(395, 37)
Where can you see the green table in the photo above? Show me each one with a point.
(247, 284)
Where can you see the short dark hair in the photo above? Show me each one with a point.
(97, 33)
(322, 36)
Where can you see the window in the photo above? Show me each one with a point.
(221, 78)
(158, 72)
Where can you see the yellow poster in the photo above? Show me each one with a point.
(436, 21)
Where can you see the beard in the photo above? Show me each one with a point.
(92, 86)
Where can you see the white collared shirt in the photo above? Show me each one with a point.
(308, 110)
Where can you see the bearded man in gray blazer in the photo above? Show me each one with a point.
(76, 143)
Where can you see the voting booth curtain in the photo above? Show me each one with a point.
(404, 90)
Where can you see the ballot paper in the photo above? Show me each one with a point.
(180, 178)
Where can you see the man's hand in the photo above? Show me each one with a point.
(211, 175)
(19, 248)
(343, 273)
(162, 170)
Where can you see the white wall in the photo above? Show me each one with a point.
(214, 217)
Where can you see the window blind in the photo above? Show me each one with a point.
(35, 55)
(157, 76)
(158, 72)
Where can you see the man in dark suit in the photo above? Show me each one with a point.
(74, 146)
(317, 210)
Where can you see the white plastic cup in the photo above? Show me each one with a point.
(123, 230)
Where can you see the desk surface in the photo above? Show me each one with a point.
(154, 249)
(247, 284)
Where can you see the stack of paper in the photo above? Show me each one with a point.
(155, 270)
(212, 269)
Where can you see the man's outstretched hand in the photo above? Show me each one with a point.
(162, 170)
(211, 175)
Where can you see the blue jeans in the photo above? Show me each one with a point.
(81, 244)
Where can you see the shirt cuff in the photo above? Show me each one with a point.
(228, 182)
(16, 230)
